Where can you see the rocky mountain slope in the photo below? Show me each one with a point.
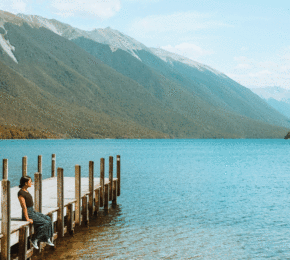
(102, 83)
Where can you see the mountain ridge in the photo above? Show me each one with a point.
(113, 93)
(277, 97)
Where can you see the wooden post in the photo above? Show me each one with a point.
(119, 174)
(53, 165)
(60, 203)
(78, 194)
(24, 166)
(102, 181)
(50, 214)
(115, 185)
(91, 187)
(85, 219)
(97, 200)
(106, 199)
(5, 169)
(111, 177)
(6, 220)
(38, 192)
(70, 219)
(39, 164)
(23, 243)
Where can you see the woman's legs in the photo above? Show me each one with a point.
(43, 229)
(50, 224)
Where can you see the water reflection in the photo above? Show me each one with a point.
(90, 242)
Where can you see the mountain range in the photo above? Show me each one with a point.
(277, 97)
(73, 83)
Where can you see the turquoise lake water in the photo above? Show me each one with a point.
(180, 199)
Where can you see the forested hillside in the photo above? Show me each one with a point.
(70, 86)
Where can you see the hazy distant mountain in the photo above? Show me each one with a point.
(277, 97)
(278, 93)
(105, 84)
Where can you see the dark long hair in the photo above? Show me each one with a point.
(23, 180)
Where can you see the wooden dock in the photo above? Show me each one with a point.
(69, 201)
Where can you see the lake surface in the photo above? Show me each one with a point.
(180, 199)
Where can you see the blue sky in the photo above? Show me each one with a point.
(249, 41)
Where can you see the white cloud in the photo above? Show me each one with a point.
(102, 9)
(19, 5)
(258, 79)
(188, 50)
(244, 63)
(274, 71)
(285, 56)
(286, 68)
(142, 1)
(14, 6)
(244, 66)
(261, 73)
(180, 22)
(267, 64)
(244, 48)
(86, 8)
(243, 59)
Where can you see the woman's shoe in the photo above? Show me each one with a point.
(49, 242)
(34, 243)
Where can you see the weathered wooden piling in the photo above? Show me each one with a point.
(78, 194)
(5, 169)
(106, 196)
(53, 165)
(24, 166)
(119, 174)
(115, 188)
(91, 188)
(70, 219)
(97, 200)
(6, 219)
(23, 236)
(111, 178)
(38, 192)
(60, 203)
(85, 217)
(39, 163)
(102, 181)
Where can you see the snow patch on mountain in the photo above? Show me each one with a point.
(40, 22)
(171, 57)
(45, 23)
(114, 38)
(117, 40)
(6, 46)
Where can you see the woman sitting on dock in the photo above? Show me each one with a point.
(43, 228)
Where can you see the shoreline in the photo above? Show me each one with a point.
(69, 246)
(62, 139)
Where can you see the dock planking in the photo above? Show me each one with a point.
(47, 197)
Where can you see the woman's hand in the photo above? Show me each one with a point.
(30, 220)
